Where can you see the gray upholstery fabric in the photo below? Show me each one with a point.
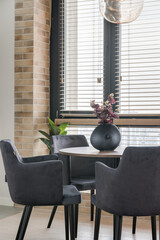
(35, 182)
(133, 189)
(84, 183)
(71, 195)
(79, 171)
(67, 141)
(40, 158)
(66, 168)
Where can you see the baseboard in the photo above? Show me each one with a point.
(6, 201)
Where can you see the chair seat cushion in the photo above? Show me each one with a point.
(84, 183)
(93, 199)
(71, 195)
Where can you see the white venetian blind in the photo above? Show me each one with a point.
(139, 90)
(133, 136)
(81, 54)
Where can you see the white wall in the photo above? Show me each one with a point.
(6, 85)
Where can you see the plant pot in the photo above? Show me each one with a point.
(105, 137)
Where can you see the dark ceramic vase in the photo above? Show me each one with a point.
(105, 137)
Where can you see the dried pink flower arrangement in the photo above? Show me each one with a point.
(105, 112)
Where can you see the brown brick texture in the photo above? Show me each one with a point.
(32, 62)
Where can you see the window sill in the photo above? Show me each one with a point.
(119, 122)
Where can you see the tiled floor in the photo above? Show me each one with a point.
(37, 227)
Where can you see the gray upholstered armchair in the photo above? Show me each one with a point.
(78, 171)
(37, 181)
(133, 189)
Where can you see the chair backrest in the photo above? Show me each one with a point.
(11, 159)
(8, 147)
(68, 141)
(10, 156)
(80, 166)
(134, 187)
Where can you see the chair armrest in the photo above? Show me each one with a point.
(105, 184)
(104, 173)
(40, 158)
(37, 183)
(66, 168)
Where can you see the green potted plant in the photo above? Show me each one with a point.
(53, 130)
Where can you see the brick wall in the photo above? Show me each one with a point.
(32, 27)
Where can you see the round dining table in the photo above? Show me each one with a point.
(92, 152)
(89, 152)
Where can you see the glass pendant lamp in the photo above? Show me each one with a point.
(120, 11)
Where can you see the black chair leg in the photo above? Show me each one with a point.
(119, 227)
(97, 223)
(21, 223)
(52, 216)
(24, 222)
(115, 227)
(134, 225)
(92, 206)
(76, 219)
(153, 223)
(71, 213)
(66, 216)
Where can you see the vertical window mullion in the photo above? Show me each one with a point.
(111, 59)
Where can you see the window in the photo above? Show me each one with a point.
(91, 58)
(81, 54)
(139, 90)
(81, 64)
(91, 51)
